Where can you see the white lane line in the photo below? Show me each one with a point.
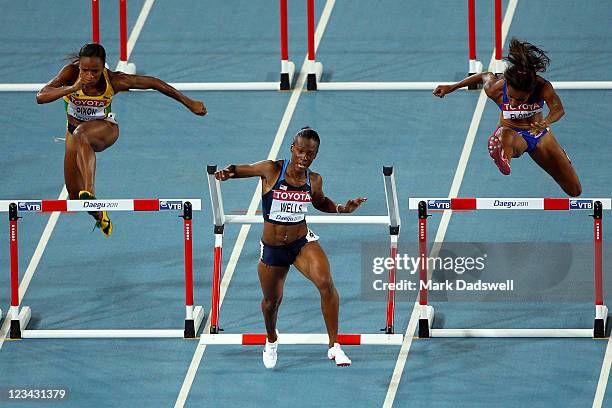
(140, 21)
(38, 253)
(600, 392)
(244, 230)
(443, 226)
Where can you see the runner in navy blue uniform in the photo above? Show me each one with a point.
(288, 186)
(520, 94)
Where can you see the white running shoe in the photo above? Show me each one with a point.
(270, 353)
(336, 353)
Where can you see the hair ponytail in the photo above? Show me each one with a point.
(526, 60)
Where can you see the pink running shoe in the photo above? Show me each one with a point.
(497, 153)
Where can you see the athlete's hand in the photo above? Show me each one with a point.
(442, 90)
(224, 174)
(352, 205)
(537, 128)
(77, 85)
(198, 108)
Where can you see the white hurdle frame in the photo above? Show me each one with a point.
(20, 316)
(392, 219)
(426, 316)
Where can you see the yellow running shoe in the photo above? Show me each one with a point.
(105, 224)
(102, 219)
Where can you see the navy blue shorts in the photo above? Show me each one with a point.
(284, 255)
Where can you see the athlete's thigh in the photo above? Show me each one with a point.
(100, 134)
(313, 263)
(72, 175)
(549, 155)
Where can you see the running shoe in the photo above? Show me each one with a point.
(270, 354)
(103, 221)
(336, 353)
(496, 152)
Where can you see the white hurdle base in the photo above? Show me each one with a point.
(426, 319)
(287, 73)
(198, 315)
(509, 333)
(298, 338)
(126, 67)
(598, 331)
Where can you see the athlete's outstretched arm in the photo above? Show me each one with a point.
(61, 85)
(555, 108)
(264, 169)
(125, 82)
(482, 78)
(325, 204)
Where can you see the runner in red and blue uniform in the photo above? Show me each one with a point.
(520, 94)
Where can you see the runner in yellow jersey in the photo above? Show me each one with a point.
(87, 88)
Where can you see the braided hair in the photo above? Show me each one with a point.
(526, 60)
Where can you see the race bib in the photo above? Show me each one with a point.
(289, 206)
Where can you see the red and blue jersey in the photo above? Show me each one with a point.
(522, 111)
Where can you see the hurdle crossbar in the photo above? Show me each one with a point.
(469, 204)
(597, 205)
(392, 219)
(20, 316)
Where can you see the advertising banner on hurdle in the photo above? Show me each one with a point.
(541, 272)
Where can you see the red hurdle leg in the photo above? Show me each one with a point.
(391, 291)
(287, 68)
(312, 76)
(601, 312)
(187, 236)
(423, 319)
(15, 332)
(95, 21)
(499, 66)
(123, 30)
(216, 283)
(471, 35)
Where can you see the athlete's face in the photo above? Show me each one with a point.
(303, 152)
(516, 97)
(90, 70)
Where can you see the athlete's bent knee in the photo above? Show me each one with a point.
(325, 286)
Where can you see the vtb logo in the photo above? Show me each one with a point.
(171, 205)
(581, 204)
(29, 206)
(439, 204)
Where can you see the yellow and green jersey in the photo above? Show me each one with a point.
(85, 107)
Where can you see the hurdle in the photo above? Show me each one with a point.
(123, 65)
(475, 66)
(392, 220)
(20, 315)
(426, 315)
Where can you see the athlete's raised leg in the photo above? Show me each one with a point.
(81, 148)
(550, 156)
(504, 145)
